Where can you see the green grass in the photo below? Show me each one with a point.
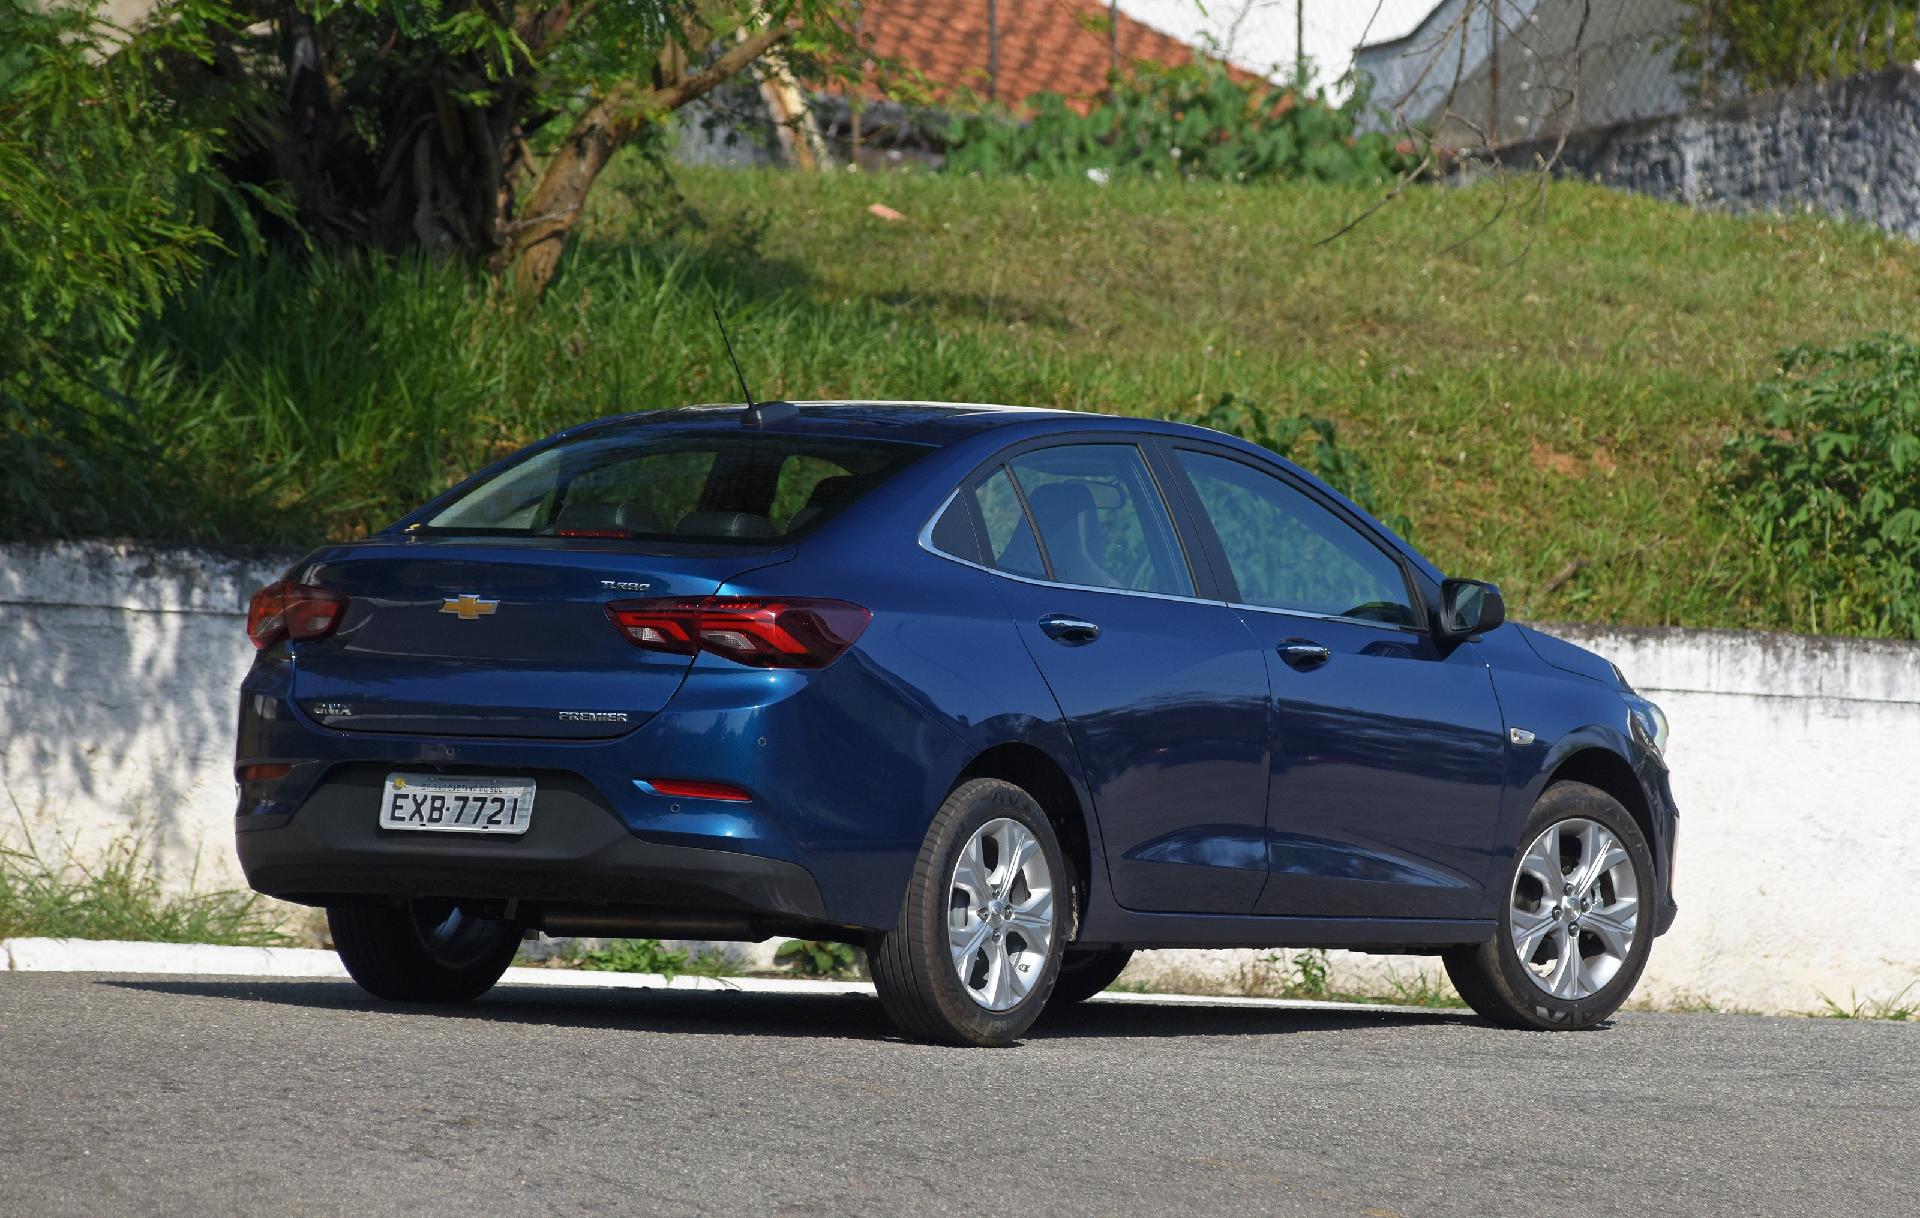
(117, 894)
(1543, 396)
(1899, 1008)
(645, 956)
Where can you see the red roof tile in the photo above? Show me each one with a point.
(1046, 46)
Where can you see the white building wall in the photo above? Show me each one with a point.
(1794, 763)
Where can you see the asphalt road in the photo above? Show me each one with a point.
(185, 1096)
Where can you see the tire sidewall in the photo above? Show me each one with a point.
(1567, 801)
(969, 807)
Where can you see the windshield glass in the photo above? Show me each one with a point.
(703, 485)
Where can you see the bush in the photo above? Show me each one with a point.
(108, 196)
(1187, 122)
(818, 958)
(1829, 485)
(653, 956)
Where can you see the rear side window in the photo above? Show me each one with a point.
(1287, 551)
(705, 485)
(1101, 518)
(1010, 543)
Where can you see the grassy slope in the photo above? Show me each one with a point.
(1545, 390)
(1531, 393)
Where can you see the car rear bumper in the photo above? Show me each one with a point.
(577, 861)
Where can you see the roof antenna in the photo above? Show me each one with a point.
(758, 414)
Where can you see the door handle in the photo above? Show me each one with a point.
(1070, 630)
(1303, 653)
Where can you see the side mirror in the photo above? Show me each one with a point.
(1469, 606)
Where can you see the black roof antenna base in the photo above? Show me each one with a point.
(758, 414)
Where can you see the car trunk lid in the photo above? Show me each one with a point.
(498, 637)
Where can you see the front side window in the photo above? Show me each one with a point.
(1101, 519)
(693, 484)
(1288, 551)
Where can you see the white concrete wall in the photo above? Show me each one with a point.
(1794, 761)
(120, 668)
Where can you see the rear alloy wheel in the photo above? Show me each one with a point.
(423, 950)
(1574, 933)
(975, 952)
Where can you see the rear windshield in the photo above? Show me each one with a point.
(698, 485)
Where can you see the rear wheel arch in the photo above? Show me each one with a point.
(1039, 775)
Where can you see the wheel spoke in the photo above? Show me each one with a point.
(999, 982)
(1615, 926)
(1020, 850)
(1564, 982)
(1542, 862)
(1034, 920)
(965, 942)
(1529, 928)
(970, 872)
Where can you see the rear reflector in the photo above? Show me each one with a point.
(287, 610)
(789, 632)
(692, 788)
(264, 773)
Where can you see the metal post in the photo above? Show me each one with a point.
(993, 50)
(1113, 43)
(1493, 73)
(1300, 45)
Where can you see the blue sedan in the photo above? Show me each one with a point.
(999, 695)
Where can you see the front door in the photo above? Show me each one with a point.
(1164, 693)
(1387, 746)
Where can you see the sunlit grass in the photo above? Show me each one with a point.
(1540, 390)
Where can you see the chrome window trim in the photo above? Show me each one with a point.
(926, 543)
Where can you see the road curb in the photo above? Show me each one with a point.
(212, 960)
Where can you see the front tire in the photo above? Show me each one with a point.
(422, 951)
(1577, 922)
(974, 954)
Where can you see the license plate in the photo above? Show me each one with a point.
(442, 804)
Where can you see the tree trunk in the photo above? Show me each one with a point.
(552, 212)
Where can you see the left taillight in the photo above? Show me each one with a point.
(286, 610)
(784, 632)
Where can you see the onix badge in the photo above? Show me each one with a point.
(468, 606)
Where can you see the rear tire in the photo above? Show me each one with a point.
(422, 951)
(1576, 918)
(1085, 972)
(974, 954)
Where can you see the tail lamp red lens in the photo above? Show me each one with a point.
(287, 610)
(789, 632)
(270, 772)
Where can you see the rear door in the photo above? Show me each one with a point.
(1387, 747)
(1163, 691)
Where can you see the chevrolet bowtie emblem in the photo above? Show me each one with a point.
(468, 606)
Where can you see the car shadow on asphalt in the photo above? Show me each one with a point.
(833, 1016)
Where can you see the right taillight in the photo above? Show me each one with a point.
(286, 610)
(773, 632)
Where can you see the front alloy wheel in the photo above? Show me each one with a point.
(1572, 940)
(1575, 909)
